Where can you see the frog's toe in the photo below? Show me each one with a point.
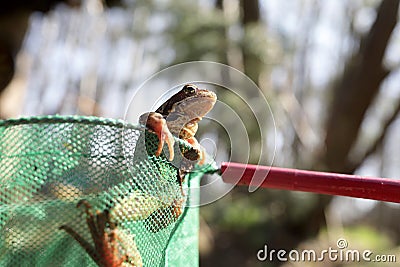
(165, 136)
(169, 140)
(156, 123)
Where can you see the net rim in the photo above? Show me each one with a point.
(55, 119)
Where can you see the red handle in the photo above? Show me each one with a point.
(311, 181)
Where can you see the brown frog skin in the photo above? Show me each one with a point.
(179, 116)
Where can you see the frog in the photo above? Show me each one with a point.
(110, 245)
(179, 117)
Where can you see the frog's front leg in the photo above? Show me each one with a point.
(157, 124)
(201, 152)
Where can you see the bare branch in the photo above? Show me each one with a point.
(358, 87)
(378, 141)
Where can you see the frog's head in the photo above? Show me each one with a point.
(184, 109)
(189, 101)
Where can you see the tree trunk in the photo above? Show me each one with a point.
(358, 87)
(252, 63)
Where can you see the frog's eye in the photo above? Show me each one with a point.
(190, 89)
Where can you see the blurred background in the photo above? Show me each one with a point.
(329, 69)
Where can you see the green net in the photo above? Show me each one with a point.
(85, 191)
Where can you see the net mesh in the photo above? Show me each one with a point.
(85, 191)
